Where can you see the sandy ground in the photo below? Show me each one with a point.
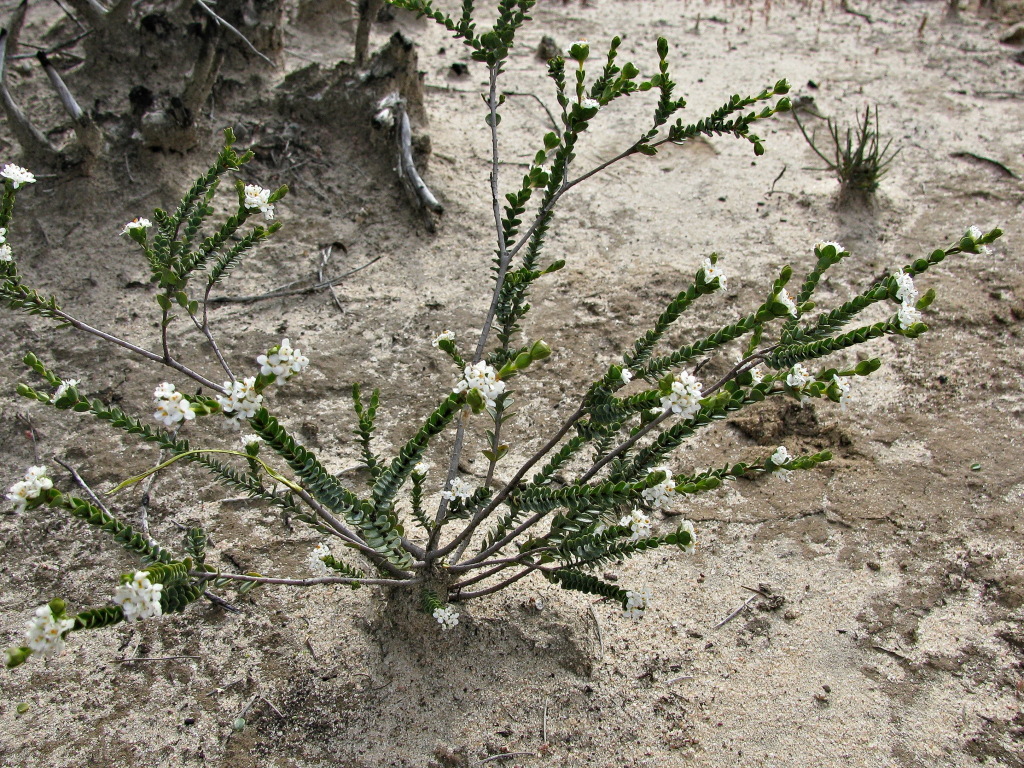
(899, 642)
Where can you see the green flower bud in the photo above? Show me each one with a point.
(14, 657)
(539, 350)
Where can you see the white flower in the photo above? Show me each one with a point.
(139, 598)
(65, 385)
(798, 376)
(258, 198)
(139, 223)
(590, 104)
(447, 617)
(758, 374)
(780, 457)
(25, 490)
(250, 439)
(20, 493)
(905, 290)
(282, 361)
(316, 559)
(458, 489)
(844, 384)
(636, 603)
(421, 467)
(45, 632)
(17, 175)
(663, 495)
(784, 298)
(483, 378)
(684, 398)
(443, 336)
(6, 254)
(171, 406)
(639, 523)
(821, 245)
(908, 316)
(242, 401)
(3, 234)
(626, 376)
(712, 271)
(688, 527)
(972, 232)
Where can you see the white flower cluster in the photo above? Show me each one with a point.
(45, 632)
(22, 491)
(316, 559)
(821, 245)
(139, 223)
(784, 298)
(780, 457)
(907, 294)
(421, 467)
(447, 617)
(975, 234)
(758, 374)
(171, 406)
(6, 254)
(637, 603)
(844, 384)
(590, 104)
(663, 495)
(459, 489)
(242, 400)
(258, 199)
(799, 376)
(139, 598)
(282, 361)
(684, 398)
(639, 523)
(443, 336)
(17, 175)
(65, 385)
(483, 378)
(250, 439)
(712, 271)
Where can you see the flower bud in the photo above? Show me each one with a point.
(539, 350)
(14, 657)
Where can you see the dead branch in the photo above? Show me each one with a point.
(221, 22)
(32, 141)
(14, 27)
(90, 10)
(288, 290)
(391, 111)
(204, 73)
(89, 136)
(368, 10)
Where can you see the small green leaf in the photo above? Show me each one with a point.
(22, 708)
(975, 467)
